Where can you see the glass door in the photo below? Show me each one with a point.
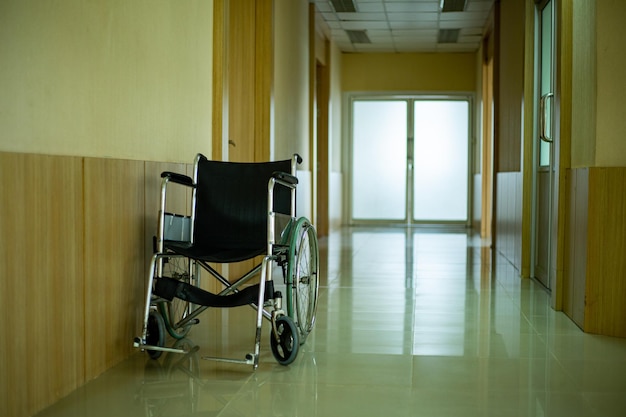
(410, 160)
(379, 155)
(440, 189)
(543, 240)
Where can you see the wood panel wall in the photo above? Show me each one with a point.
(114, 260)
(508, 93)
(574, 278)
(509, 216)
(605, 301)
(41, 277)
(76, 237)
(595, 266)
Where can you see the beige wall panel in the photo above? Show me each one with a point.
(41, 265)
(611, 89)
(115, 78)
(408, 72)
(584, 96)
(335, 111)
(114, 260)
(291, 82)
(335, 194)
(605, 311)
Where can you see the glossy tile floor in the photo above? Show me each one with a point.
(410, 323)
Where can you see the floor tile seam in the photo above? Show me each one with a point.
(498, 390)
(567, 371)
(502, 390)
(609, 360)
(570, 376)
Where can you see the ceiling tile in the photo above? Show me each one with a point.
(370, 7)
(413, 25)
(414, 32)
(362, 16)
(417, 17)
(481, 16)
(460, 24)
(404, 6)
(364, 25)
(405, 25)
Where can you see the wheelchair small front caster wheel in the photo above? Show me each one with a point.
(155, 335)
(284, 342)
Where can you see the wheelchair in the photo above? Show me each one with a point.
(238, 211)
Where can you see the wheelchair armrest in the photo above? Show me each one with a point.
(177, 178)
(285, 177)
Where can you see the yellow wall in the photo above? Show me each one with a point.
(583, 149)
(611, 87)
(408, 72)
(92, 93)
(598, 124)
(117, 78)
(335, 192)
(335, 108)
(595, 230)
(291, 80)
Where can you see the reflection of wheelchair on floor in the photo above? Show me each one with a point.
(238, 212)
(172, 388)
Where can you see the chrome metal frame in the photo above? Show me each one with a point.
(265, 269)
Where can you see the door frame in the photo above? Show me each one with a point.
(553, 208)
(350, 98)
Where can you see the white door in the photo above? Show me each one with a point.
(410, 160)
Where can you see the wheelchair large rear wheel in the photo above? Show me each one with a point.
(174, 311)
(303, 277)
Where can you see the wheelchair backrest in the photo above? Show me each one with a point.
(231, 202)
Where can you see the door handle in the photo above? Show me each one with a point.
(544, 135)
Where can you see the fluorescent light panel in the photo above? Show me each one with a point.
(448, 35)
(358, 36)
(343, 6)
(453, 5)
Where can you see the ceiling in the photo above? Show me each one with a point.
(405, 25)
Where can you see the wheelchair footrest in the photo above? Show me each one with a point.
(169, 288)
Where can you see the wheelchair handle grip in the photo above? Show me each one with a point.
(177, 178)
(285, 177)
(298, 158)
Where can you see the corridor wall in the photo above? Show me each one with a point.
(97, 96)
